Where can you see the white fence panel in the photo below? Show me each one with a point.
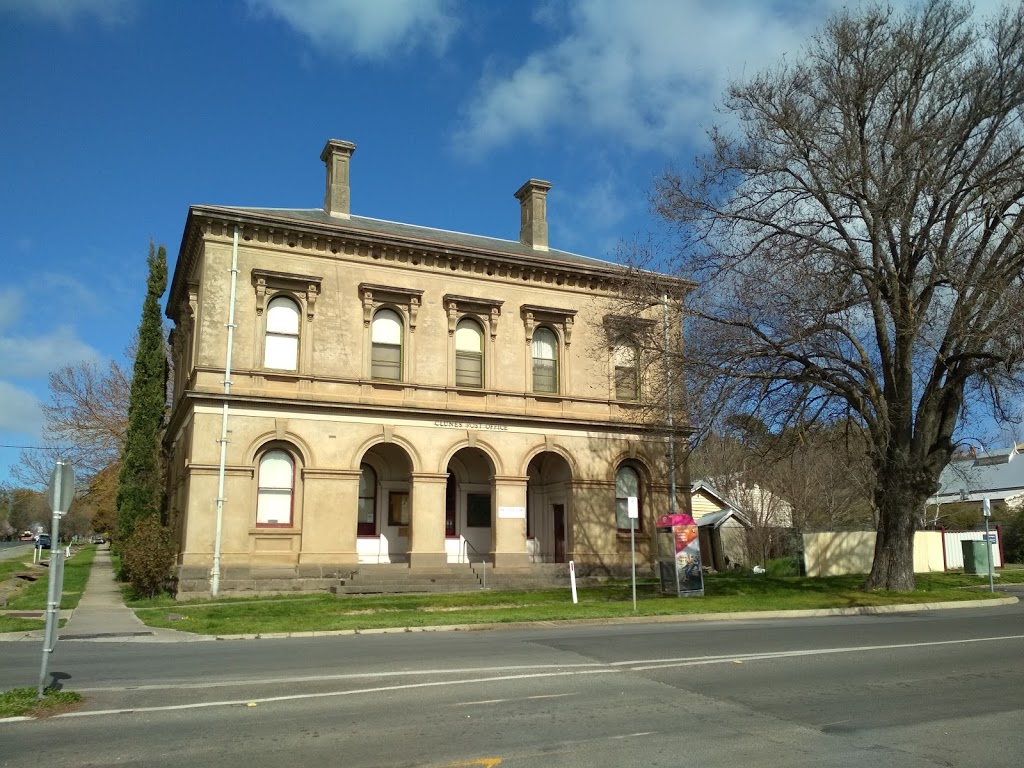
(955, 553)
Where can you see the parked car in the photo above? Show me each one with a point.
(98, 539)
(43, 542)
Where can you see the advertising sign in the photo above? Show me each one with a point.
(678, 546)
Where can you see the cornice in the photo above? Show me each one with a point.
(335, 240)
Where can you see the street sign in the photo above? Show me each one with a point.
(986, 507)
(61, 491)
(633, 507)
(991, 538)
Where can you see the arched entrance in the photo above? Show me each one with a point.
(548, 513)
(469, 507)
(384, 516)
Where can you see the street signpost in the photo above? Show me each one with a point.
(60, 494)
(986, 510)
(633, 510)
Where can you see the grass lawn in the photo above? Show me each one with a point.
(725, 593)
(33, 597)
(22, 702)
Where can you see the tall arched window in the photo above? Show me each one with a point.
(627, 372)
(367, 519)
(545, 360)
(276, 489)
(386, 346)
(281, 348)
(469, 354)
(627, 483)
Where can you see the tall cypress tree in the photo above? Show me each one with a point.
(140, 487)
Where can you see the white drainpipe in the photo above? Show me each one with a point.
(215, 575)
(668, 398)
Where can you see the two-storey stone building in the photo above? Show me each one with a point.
(350, 390)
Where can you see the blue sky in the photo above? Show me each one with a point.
(116, 115)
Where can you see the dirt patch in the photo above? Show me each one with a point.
(14, 584)
(450, 608)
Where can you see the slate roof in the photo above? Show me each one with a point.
(997, 474)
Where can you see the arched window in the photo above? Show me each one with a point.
(386, 346)
(276, 489)
(367, 520)
(627, 483)
(627, 372)
(281, 350)
(469, 354)
(545, 360)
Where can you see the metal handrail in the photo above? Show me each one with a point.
(465, 541)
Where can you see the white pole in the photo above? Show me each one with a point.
(986, 507)
(572, 581)
(668, 409)
(215, 575)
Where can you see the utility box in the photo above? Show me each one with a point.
(975, 556)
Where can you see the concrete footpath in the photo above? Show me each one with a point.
(101, 615)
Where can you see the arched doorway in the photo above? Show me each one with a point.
(384, 512)
(548, 513)
(469, 507)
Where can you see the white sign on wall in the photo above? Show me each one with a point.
(512, 512)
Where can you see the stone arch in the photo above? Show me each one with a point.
(486, 448)
(257, 444)
(415, 460)
(534, 452)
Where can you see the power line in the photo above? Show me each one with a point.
(27, 447)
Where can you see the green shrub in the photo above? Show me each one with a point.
(147, 558)
(1013, 535)
(783, 566)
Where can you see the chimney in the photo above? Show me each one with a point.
(336, 156)
(533, 227)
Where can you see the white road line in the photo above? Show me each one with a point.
(556, 671)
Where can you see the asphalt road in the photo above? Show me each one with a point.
(916, 689)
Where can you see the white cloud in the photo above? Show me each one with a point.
(367, 29)
(645, 73)
(20, 411)
(112, 12)
(11, 303)
(33, 357)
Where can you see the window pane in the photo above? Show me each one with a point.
(367, 511)
(627, 483)
(282, 316)
(622, 514)
(276, 471)
(545, 344)
(274, 507)
(468, 369)
(468, 337)
(545, 375)
(367, 482)
(387, 327)
(386, 362)
(281, 352)
(625, 384)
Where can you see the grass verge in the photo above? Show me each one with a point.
(33, 596)
(725, 593)
(22, 702)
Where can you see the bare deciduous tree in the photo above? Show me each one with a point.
(858, 243)
(86, 420)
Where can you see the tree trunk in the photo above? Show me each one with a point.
(898, 507)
